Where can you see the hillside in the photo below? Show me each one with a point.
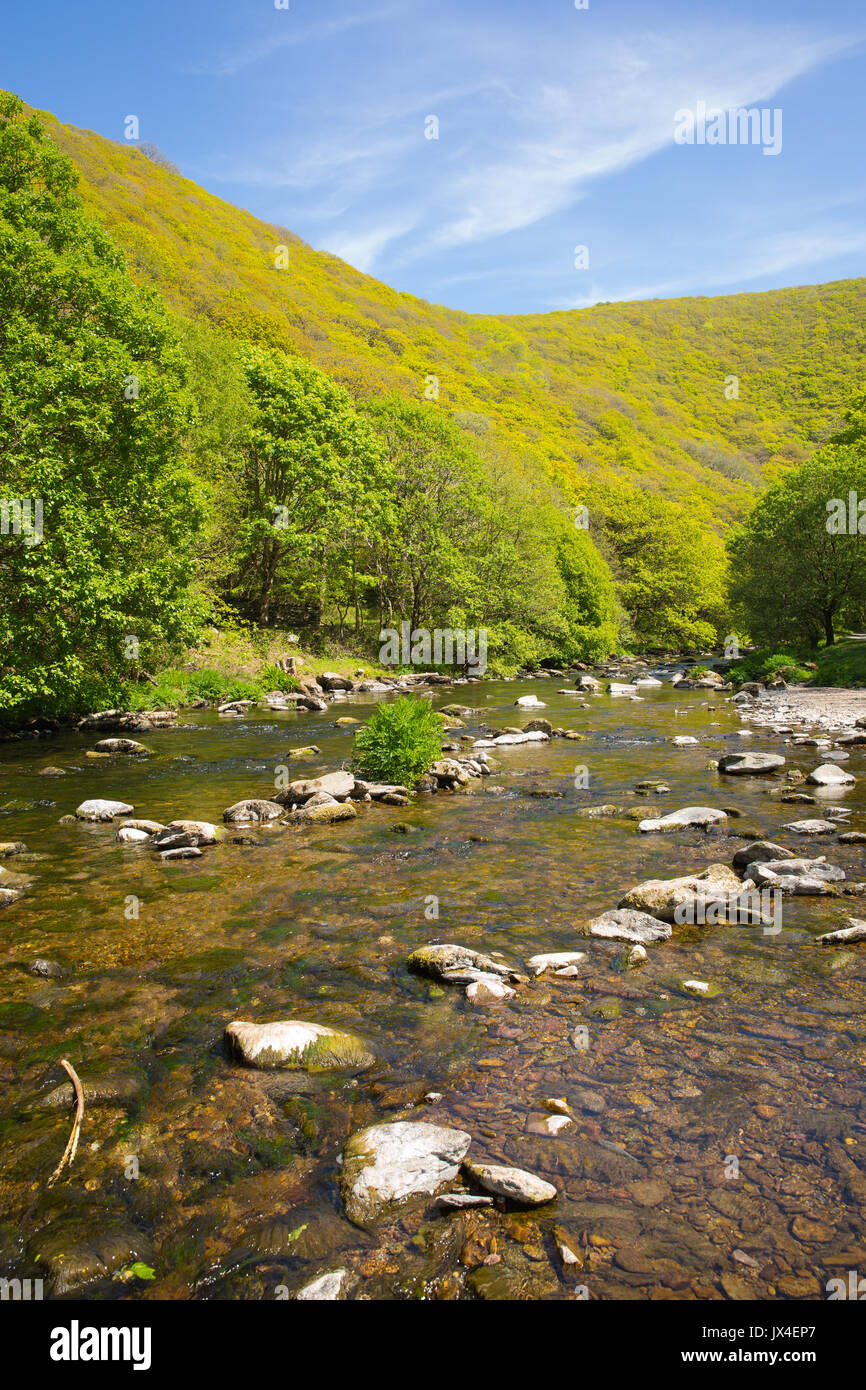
(635, 389)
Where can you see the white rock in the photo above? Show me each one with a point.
(689, 815)
(98, 810)
(487, 990)
(389, 1163)
(554, 960)
(327, 1288)
(292, 1043)
(829, 775)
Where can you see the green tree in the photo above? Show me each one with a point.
(317, 484)
(670, 568)
(92, 414)
(798, 562)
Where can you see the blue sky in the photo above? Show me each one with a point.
(556, 130)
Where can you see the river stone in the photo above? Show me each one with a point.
(255, 809)
(855, 932)
(326, 814)
(328, 1288)
(122, 745)
(445, 961)
(758, 852)
(811, 827)
(98, 810)
(538, 726)
(627, 925)
(296, 1045)
(181, 834)
(45, 969)
(129, 835)
(390, 1163)
(767, 870)
(689, 815)
(448, 772)
(684, 741)
(621, 688)
(554, 960)
(507, 740)
(9, 848)
(529, 702)
(119, 1089)
(80, 1248)
(750, 764)
(181, 852)
(488, 989)
(514, 1183)
(828, 775)
(660, 897)
(339, 785)
(332, 680)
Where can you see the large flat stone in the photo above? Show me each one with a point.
(386, 1165)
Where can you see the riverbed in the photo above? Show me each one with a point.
(719, 1143)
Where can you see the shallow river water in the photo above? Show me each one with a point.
(719, 1148)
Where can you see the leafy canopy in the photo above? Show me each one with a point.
(796, 577)
(93, 409)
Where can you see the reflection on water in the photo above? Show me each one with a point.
(719, 1144)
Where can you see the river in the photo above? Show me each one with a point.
(718, 1144)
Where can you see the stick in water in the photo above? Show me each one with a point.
(72, 1143)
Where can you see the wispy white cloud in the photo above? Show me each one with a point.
(618, 111)
(285, 33)
(362, 248)
(766, 257)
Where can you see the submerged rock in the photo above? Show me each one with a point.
(386, 1165)
(296, 1045)
(514, 1183)
(123, 745)
(79, 1249)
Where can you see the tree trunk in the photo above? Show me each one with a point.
(828, 629)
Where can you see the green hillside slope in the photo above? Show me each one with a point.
(635, 390)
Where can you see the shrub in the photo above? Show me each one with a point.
(400, 741)
(271, 677)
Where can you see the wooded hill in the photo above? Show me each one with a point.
(633, 390)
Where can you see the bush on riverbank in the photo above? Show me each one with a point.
(400, 741)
